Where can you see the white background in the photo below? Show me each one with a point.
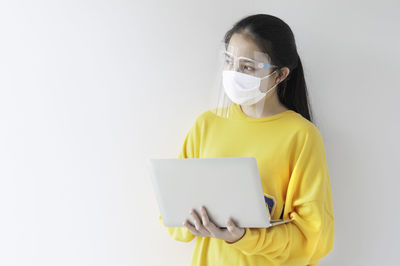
(90, 89)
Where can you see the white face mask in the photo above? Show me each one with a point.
(243, 88)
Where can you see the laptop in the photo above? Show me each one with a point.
(229, 187)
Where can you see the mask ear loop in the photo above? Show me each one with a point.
(272, 86)
(259, 108)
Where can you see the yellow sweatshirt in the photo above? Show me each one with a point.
(290, 155)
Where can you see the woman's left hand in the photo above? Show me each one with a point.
(205, 227)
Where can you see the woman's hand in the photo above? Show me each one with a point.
(205, 227)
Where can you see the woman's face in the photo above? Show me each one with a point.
(240, 46)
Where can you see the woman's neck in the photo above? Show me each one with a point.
(265, 107)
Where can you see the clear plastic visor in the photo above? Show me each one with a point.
(245, 61)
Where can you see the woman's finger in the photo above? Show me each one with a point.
(196, 218)
(208, 224)
(190, 227)
(232, 227)
(236, 233)
(199, 224)
(204, 216)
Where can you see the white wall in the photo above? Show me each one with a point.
(90, 89)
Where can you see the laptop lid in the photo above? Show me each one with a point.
(229, 187)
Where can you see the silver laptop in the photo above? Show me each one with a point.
(229, 187)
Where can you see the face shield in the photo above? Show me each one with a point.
(244, 78)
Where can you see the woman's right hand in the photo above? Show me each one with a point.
(206, 227)
(198, 225)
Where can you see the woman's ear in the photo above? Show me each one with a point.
(282, 74)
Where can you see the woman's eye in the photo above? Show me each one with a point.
(249, 68)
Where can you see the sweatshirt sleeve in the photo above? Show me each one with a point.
(189, 150)
(310, 235)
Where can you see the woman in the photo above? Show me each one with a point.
(265, 115)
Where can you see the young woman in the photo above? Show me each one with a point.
(263, 112)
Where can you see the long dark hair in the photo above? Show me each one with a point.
(276, 39)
